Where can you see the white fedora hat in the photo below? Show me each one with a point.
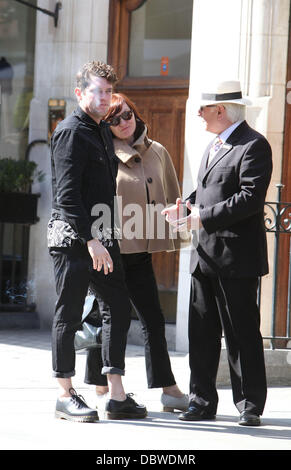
(224, 92)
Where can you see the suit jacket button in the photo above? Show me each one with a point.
(149, 180)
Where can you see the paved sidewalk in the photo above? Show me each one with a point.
(28, 394)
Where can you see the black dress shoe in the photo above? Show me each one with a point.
(196, 414)
(75, 409)
(249, 419)
(127, 409)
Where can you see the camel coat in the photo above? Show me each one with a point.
(146, 178)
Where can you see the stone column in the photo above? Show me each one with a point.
(214, 53)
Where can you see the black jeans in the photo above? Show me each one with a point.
(230, 305)
(143, 292)
(74, 274)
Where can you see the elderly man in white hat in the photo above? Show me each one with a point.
(227, 208)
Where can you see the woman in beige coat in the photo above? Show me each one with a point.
(146, 183)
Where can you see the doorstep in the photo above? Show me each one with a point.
(278, 361)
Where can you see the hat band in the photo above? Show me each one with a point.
(222, 96)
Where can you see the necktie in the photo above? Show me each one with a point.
(214, 149)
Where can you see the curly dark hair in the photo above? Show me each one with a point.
(97, 69)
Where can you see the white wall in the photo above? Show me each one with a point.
(246, 40)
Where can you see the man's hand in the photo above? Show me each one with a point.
(175, 212)
(176, 218)
(100, 256)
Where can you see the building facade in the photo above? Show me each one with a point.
(163, 51)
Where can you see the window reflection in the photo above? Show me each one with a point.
(17, 42)
(160, 39)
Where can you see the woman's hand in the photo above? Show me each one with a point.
(100, 256)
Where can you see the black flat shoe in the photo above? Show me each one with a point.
(196, 414)
(127, 409)
(75, 409)
(249, 419)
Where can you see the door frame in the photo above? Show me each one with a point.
(159, 86)
(118, 49)
(284, 242)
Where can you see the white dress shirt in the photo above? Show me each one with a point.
(223, 137)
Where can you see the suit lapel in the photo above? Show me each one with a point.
(203, 164)
(224, 150)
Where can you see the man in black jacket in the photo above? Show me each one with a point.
(227, 209)
(84, 250)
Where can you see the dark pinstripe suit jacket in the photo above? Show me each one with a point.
(230, 195)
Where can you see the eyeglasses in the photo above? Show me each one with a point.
(206, 106)
(126, 116)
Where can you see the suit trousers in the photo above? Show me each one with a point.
(226, 305)
(141, 283)
(74, 273)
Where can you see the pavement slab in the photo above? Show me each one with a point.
(28, 395)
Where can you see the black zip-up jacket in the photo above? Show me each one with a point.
(84, 169)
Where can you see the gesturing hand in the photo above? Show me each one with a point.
(176, 217)
(175, 212)
(100, 256)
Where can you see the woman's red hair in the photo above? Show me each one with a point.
(116, 105)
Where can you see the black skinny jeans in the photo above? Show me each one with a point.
(74, 274)
(143, 292)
